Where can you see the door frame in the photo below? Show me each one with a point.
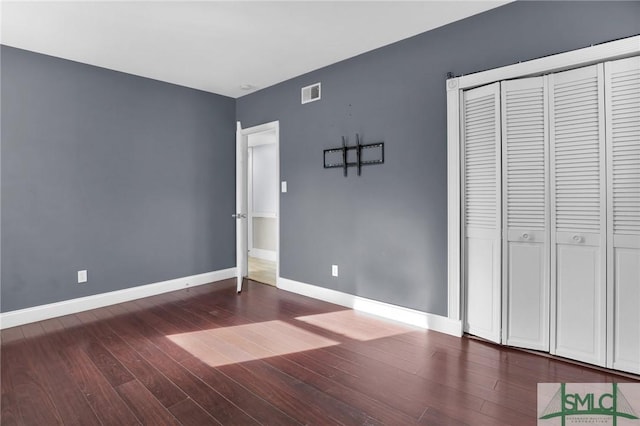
(242, 138)
(617, 49)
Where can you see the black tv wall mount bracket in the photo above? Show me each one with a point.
(344, 162)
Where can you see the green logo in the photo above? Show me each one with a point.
(613, 404)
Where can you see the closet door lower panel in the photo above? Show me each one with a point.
(580, 297)
(626, 347)
(527, 295)
(482, 277)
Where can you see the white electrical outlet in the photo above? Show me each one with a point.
(334, 270)
(283, 186)
(82, 276)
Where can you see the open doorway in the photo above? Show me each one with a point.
(261, 209)
(262, 206)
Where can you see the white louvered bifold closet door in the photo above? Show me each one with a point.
(622, 93)
(578, 218)
(482, 210)
(525, 214)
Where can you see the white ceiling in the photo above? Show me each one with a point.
(219, 46)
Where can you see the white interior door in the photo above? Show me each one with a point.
(241, 207)
(578, 207)
(623, 176)
(481, 163)
(526, 251)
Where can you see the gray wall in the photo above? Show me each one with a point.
(129, 178)
(387, 230)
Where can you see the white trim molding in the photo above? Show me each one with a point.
(385, 310)
(609, 51)
(72, 306)
(613, 50)
(453, 201)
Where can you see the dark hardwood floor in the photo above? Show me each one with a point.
(205, 355)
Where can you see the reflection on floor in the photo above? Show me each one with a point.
(263, 271)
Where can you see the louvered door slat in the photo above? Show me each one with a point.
(577, 144)
(525, 214)
(577, 214)
(623, 202)
(481, 210)
(480, 161)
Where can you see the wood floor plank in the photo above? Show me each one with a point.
(104, 400)
(219, 343)
(28, 392)
(477, 402)
(255, 406)
(206, 355)
(402, 385)
(55, 376)
(33, 330)
(144, 405)
(509, 416)
(302, 402)
(264, 389)
(70, 321)
(267, 348)
(10, 335)
(223, 410)
(234, 347)
(379, 410)
(9, 408)
(142, 321)
(457, 377)
(110, 367)
(432, 416)
(162, 388)
(189, 413)
(52, 325)
(99, 393)
(207, 397)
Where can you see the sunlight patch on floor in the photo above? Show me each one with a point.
(354, 325)
(249, 342)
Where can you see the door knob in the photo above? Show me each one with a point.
(239, 216)
(525, 236)
(577, 238)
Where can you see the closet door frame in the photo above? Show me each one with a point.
(455, 86)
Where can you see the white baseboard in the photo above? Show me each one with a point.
(263, 254)
(66, 307)
(397, 313)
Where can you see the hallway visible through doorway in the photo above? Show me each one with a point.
(262, 270)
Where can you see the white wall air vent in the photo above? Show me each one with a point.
(310, 93)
